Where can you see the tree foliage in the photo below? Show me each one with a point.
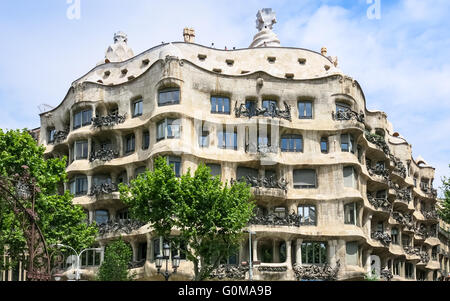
(444, 210)
(115, 265)
(207, 214)
(59, 220)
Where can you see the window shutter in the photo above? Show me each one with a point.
(349, 177)
(305, 178)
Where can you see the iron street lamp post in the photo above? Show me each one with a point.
(250, 261)
(166, 257)
(77, 266)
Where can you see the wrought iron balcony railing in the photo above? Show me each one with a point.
(136, 264)
(108, 120)
(315, 272)
(379, 170)
(265, 182)
(380, 203)
(430, 214)
(273, 111)
(399, 167)
(378, 141)
(411, 250)
(104, 155)
(119, 226)
(383, 237)
(261, 149)
(424, 257)
(404, 219)
(292, 220)
(347, 114)
(59, 136)
(104, 188)
(403, 194)
(229, 271)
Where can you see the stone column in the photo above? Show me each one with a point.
(298, 251)
(149, 248)
(276, 251)
(288, 254)
(112, 214)
(241, 253)
(368, 262)
(89, 147)
(333, 253)
(90, 183)
(121, 146)
(138, 140)
(255, 249)
(134, 246)
(91, 216)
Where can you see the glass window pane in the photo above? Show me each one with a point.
(301, 109)
(161, 130)
(304, 178)
(220, 105)
(216, 170)
(77, 120)
(226, 105)
(308, 109)
(213, 105)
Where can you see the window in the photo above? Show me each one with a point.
(406, 240)
(351, 257)
(168, 129)
(396, 268)
(244, 172)
(145, 140)
(280, 212)
(360, 151)
(342, 107)
(179, 250)
(51, 135)
(347, 143)
(350, 177)
(227, 140)
(351, 213)
(314, 253)
(203, 139)
(394, 236)
(82, 118)
(139, 171)
(409, 268)
(305, 110)
(79, 186)
(216, 170)
(220, 105)
(137, 108)
(270, 105)
(101, 179)
(101, 217)
(142, 251)
(250, 105)
(123, 215)
(434, 252)
(381, 194)
(305, 178)
(270, 174)
(324, 145)
(81, 150)
(169, 97)
(292, 143)
(415, 182)
(380, 227)
(307, 215)
(176, 163)
(122, 178)
(130, 144)
(90, 258)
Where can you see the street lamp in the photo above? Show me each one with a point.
(166, 257)
(250, 261)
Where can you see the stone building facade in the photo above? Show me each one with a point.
(339, 194)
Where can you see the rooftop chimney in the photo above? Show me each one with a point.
(324, 51)
(189, 35)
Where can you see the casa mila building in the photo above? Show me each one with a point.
(339, 195)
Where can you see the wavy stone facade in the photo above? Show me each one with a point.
(368, 205)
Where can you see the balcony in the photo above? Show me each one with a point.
(405, 220)
(261, 149)
(383, 237)
(119, 227)
(291, 220)
(380, 203)
(412, 251)
(229, 271)
(403, 194)
(103, 155)
(108, 120)
(104, 188)
(378, 170)
(422, 232)
(265, 182)
(59, 136)
(424, 257)
(378, 141)
(430, 214)
(316, 272)
(273, 111)
(399, 167)
(347, 114)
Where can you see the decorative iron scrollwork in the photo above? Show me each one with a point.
(229, 271)
(104, 155)
(293, 220)
(104, 188)
(378, 141)
(60, 136)
(387, 274)
(347, 114)
(108, 120)
(271, 269)
(382, 237)
(273, 111)
(121, 226)
(314, 272)
(379, 203)
(405, 220)
(265, 182)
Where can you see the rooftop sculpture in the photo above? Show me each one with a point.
(119, 51)
(265, 19)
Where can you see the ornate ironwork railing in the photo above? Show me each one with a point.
(411, 250)
(403, 194)
(347, 114)
(292, 220)
(405, 220)
(104, 188)
(273, 111)
(386, 274)
(379, 203)
(60, 136)
(262, 149)
(108, 120)
(399, 167)
(136, 264)
(265, 182)
(430, 214)
(104, 155)
(421, 231)
(383, 237)
(119, 226)
(314, 272)
(424, 257)
(272, 269)
(229, 271)
(378, 141)
(378, 170)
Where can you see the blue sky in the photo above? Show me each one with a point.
(401, 60)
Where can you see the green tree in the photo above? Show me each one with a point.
(59, 219)
(208, 214)
(115, 265)
(444, 210)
